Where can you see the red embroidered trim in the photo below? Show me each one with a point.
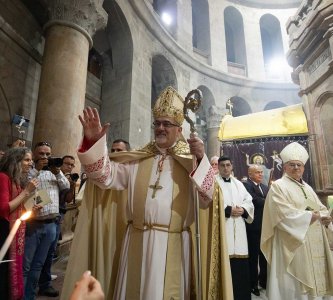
(208, 181)
(95, 166)
(106, 175)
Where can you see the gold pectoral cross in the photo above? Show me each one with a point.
(156, 187)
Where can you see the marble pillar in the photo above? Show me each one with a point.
(214, 119)
(64, 71)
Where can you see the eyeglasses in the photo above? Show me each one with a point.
(43, 144)
(292, 165)
(165, 124)
(69, 164)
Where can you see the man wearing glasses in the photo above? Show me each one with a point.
(155, 259)
(295, 231)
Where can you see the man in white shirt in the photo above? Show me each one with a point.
(238, 209)
(41, 231)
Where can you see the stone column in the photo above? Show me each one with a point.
(253, 46)
(217, 35)
(184, 25)
(214, 119)
(64, 71)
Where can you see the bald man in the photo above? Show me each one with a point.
(258, 191)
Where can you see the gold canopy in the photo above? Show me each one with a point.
(284, 121)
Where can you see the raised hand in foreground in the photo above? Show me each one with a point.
(87, 288)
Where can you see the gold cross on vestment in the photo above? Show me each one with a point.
(156, 187)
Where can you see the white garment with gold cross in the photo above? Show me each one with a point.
(111, 175)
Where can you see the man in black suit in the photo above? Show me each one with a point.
(258, 192)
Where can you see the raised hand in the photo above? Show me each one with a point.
(18, 143)
(92, 128)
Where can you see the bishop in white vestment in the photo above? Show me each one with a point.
(296, 233)
(155, 259)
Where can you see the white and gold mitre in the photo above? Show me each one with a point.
(294, 151)
(169, 104)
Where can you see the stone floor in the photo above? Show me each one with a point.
(59, 268)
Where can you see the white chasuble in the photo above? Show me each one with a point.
(300, 262)
(157, 216)
(235, 194)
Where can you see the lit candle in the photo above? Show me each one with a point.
(12, 233)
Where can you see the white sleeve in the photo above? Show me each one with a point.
(99, 168)
(203, 178)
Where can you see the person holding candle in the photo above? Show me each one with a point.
(14, 190)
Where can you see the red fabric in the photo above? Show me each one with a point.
(8, 192)
(86, 145)
(5, 192)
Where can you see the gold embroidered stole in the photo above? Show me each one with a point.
(172, 282)
(135, 250)
(216, 275)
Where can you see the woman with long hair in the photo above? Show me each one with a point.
(15, 189)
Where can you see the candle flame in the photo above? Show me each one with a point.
(26, 215)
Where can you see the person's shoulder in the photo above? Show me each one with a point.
(247, 183)
(281, 182)
(4, 176)
(237, 181)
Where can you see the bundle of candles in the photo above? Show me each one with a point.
(11, 235)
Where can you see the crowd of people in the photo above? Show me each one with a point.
(26, 176)
(134, 229)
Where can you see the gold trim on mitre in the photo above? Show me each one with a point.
(169, 104)
(294, 151)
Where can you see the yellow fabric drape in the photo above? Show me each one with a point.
(216, 273)
(98, 238)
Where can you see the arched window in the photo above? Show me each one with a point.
(235, 41)
(274, 104)
(163, 75)
(201, 26)
(240, 106)
(167, 10)
(272, 46)
(208, 101)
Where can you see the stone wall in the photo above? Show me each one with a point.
(20, 64)
(310, 54)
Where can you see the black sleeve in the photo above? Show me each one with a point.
(227, 211)
(245, 214)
